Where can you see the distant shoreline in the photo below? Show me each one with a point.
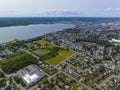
(29, 25)
(24, 21)
(33, 37)
(29, 38)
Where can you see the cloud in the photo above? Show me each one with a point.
(60, 13)
(112, 9)
(117, 9)
(112, 12)
(108, 9)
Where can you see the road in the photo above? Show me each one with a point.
(105, 81)
(89, 88)
(66, 59)
(49, 77)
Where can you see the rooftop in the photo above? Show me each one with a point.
(31, 75)
(30, 78)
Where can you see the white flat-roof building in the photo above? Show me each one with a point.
(33, 75)
(30, 78)
(115, 41)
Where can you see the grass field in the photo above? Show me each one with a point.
(52, 53)
(63, 54)
(46, 43)
(56, 60)
(66, 53)
(41, 52)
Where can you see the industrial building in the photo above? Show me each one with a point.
(31, 74)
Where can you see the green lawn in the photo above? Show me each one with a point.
(46, 43)
(56, 60)
(52, 53)
(63, 54)
(66, 53)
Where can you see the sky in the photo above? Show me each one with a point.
(59, 8)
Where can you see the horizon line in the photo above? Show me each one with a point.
(60, 17)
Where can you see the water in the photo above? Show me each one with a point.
(26, 32)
